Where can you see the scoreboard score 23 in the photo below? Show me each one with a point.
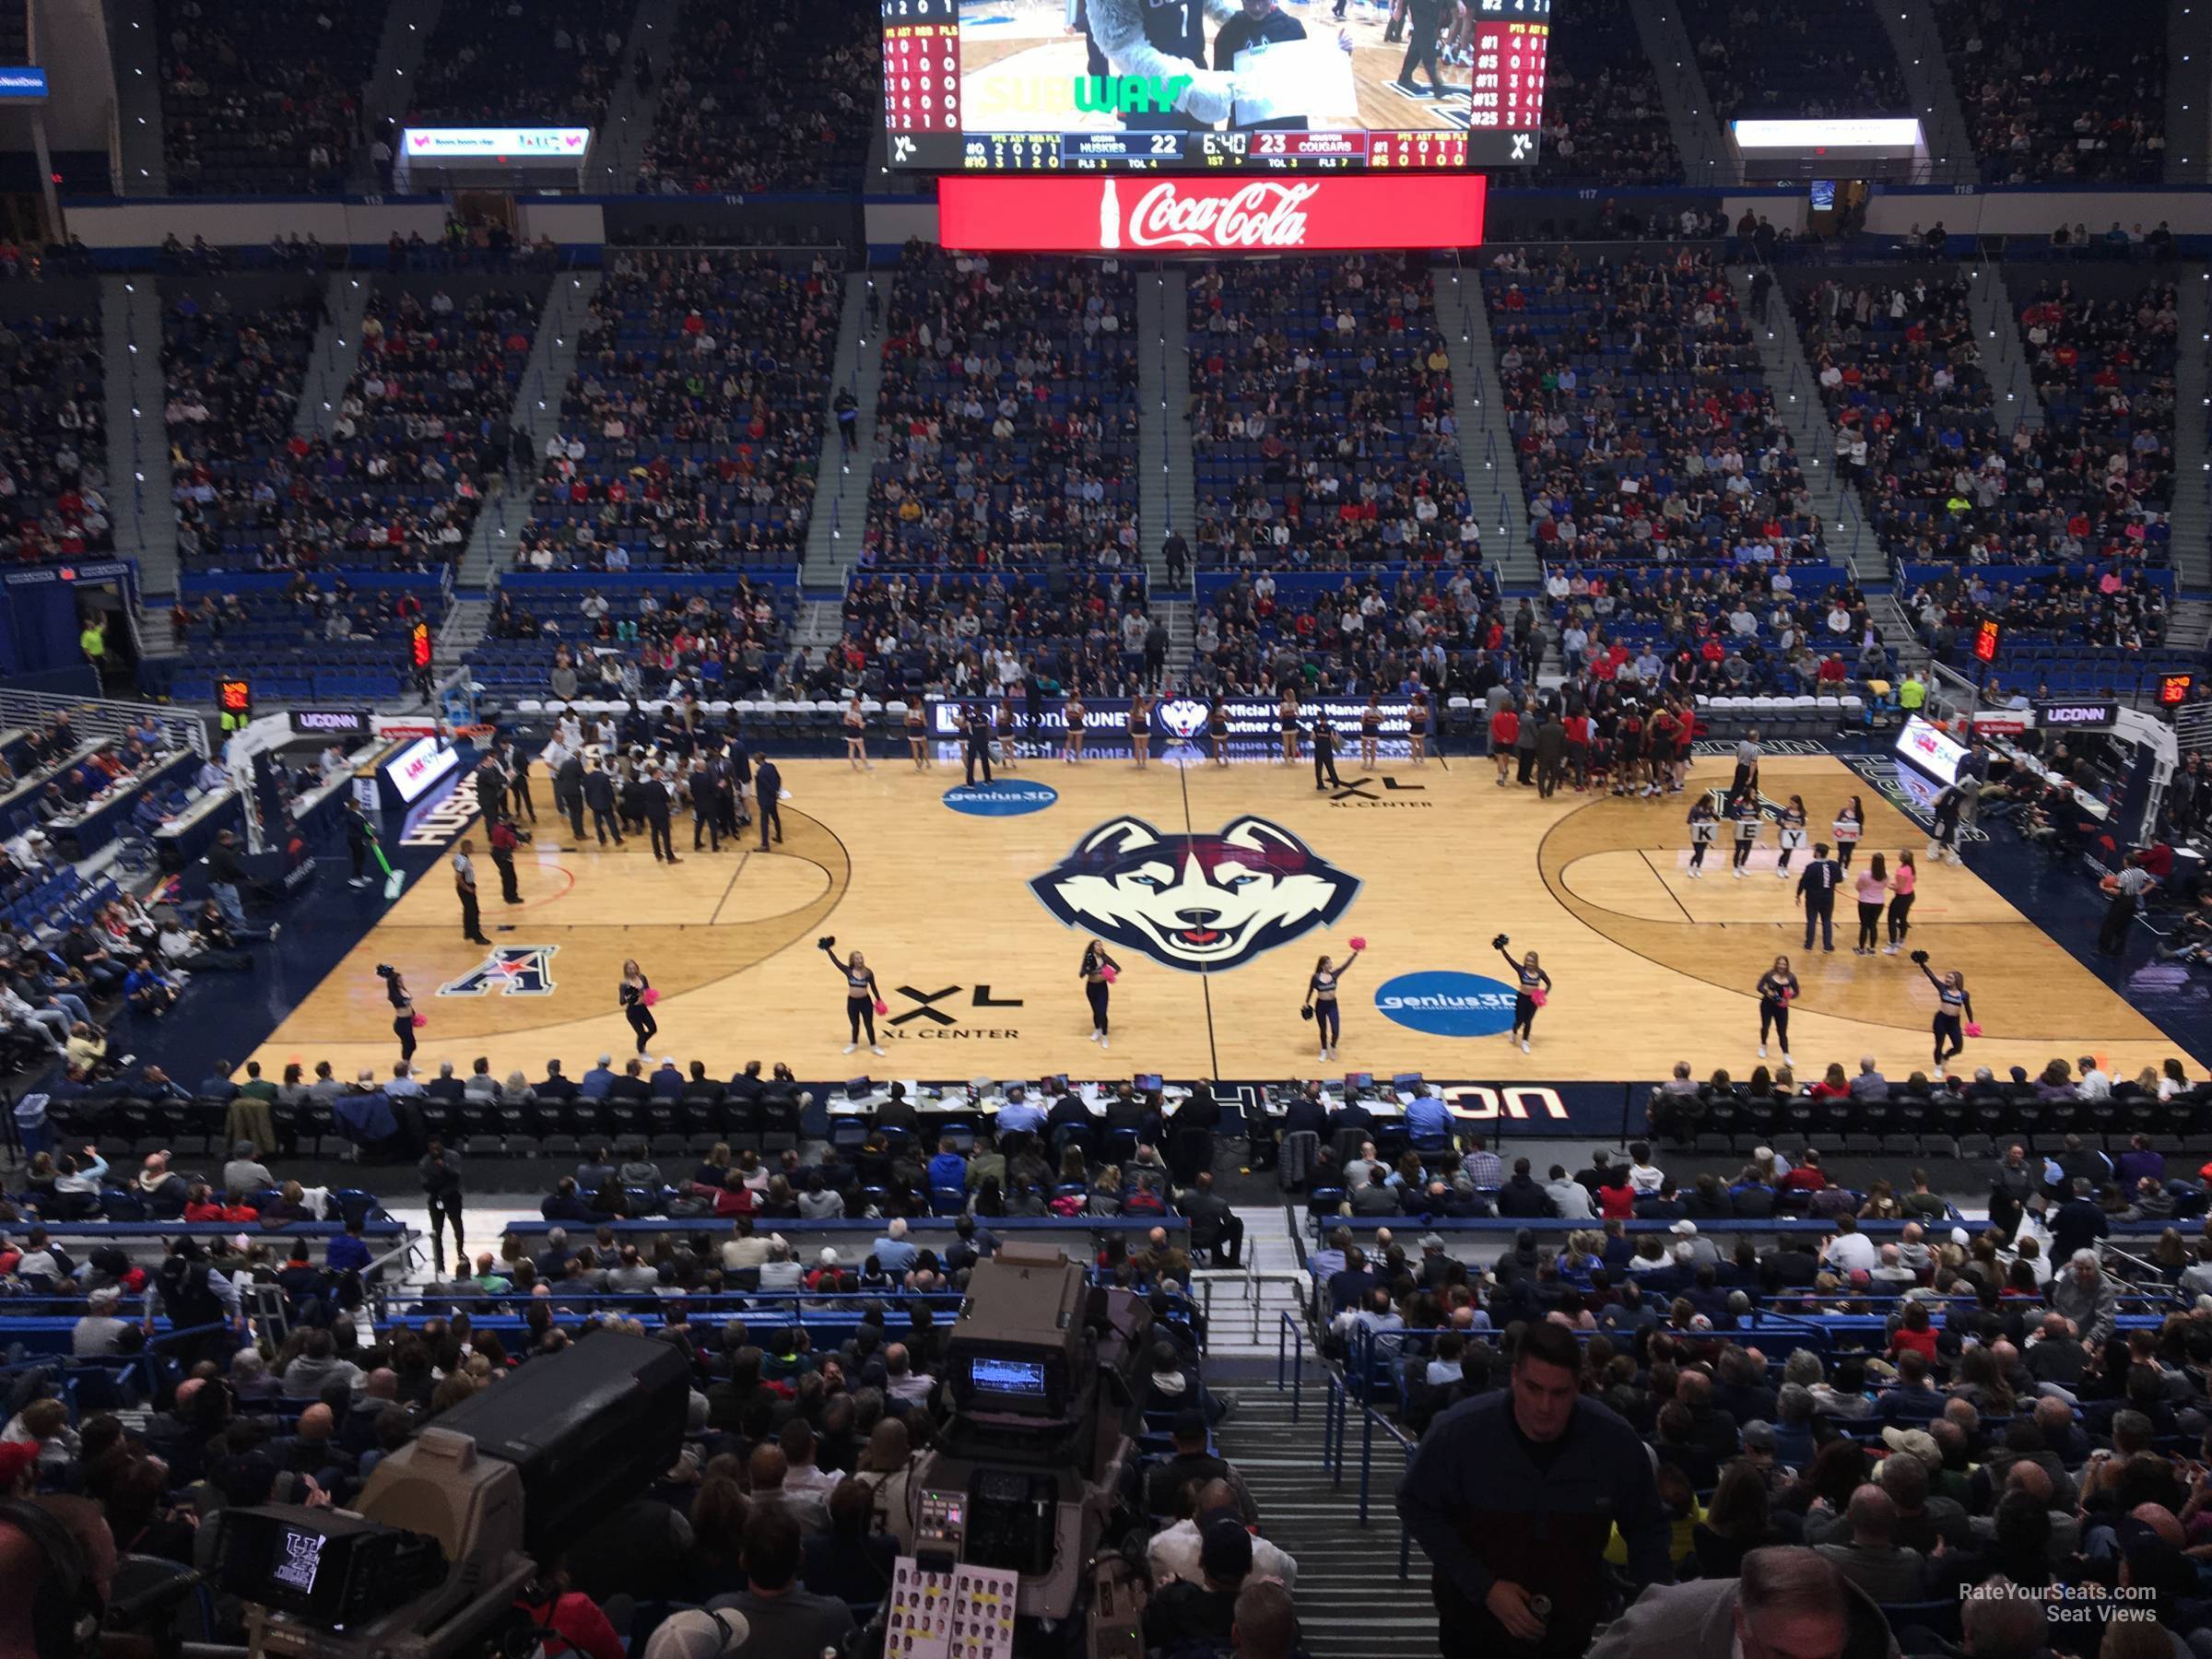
(1208, 86)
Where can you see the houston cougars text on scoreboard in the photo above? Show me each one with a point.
(1169, 87)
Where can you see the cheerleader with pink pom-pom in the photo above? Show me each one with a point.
(1321, 998)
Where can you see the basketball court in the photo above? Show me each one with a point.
(1216, 889)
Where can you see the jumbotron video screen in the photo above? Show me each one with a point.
(1213, 85)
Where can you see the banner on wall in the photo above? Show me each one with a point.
(1255, 718)
(1102, 214)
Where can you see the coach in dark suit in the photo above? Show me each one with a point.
(1817, 892)
(568, 787)
(767, 787)
(599, 795)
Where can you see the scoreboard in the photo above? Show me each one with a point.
(1163, 85)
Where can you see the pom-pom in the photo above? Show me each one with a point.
(1499, 942)
(1920, 959)
(827, 942)
(1359, 943)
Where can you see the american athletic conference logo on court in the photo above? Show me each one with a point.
(509, 969)
(1198, 902)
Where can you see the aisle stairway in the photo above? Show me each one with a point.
(140, 505)
(1351, 1603)
(839, 517)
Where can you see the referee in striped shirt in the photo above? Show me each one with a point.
(2125, 890)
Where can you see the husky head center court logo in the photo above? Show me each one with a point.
(509, 969)
(1182, 716)
(1198, 902)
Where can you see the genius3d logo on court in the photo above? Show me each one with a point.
(1198, 902)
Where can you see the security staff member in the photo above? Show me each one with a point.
(975, 732)
(656, 820)
(1514, 1496)
(1817, 892)
(464, 884)
(768, 789)
(599, 795)
(503, 843)
(2125, 888)
(1325, 754)
(568, 787)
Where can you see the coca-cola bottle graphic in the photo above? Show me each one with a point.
(1109, 216)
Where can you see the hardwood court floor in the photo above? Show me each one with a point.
(981, 976)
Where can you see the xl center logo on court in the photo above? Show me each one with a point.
(1198, 902)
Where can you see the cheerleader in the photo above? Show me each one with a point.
(1743, 811)
(1416, 726)
(1140, 726)
(1370, 739)
(1098, 973)
(917, 739)
(1873, 889)
(1287, 717)
(1954, 1011)
(1320, 1000)
(1792, 834)
(1777, 991)
(1851, 824)
(1216, 725)
(856, 736)
(1535, 989)
(637, 1004)
(403, 1009)
(1900, 903)
(1704, 827)
(861, 996)
(1071, 751)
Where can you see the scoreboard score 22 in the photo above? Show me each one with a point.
(1211, 86)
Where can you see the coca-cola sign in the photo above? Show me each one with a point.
(1240, 215)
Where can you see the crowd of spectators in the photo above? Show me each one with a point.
(1772, 58)
(787, 1506)
(1708, 631)
(691, 425)
(233, 383)
(262, 97)
(2110, 608)
(786, 99)
(1642, 424)
(553, 62)
(53, 443)
(1947, 473)
(1374, 634)
(1007, 427)
(422, 420)
(2054, 94)
(2104, 373)
(1002, 634)
(623, 646)
(1604, 121)
(1322, 419)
